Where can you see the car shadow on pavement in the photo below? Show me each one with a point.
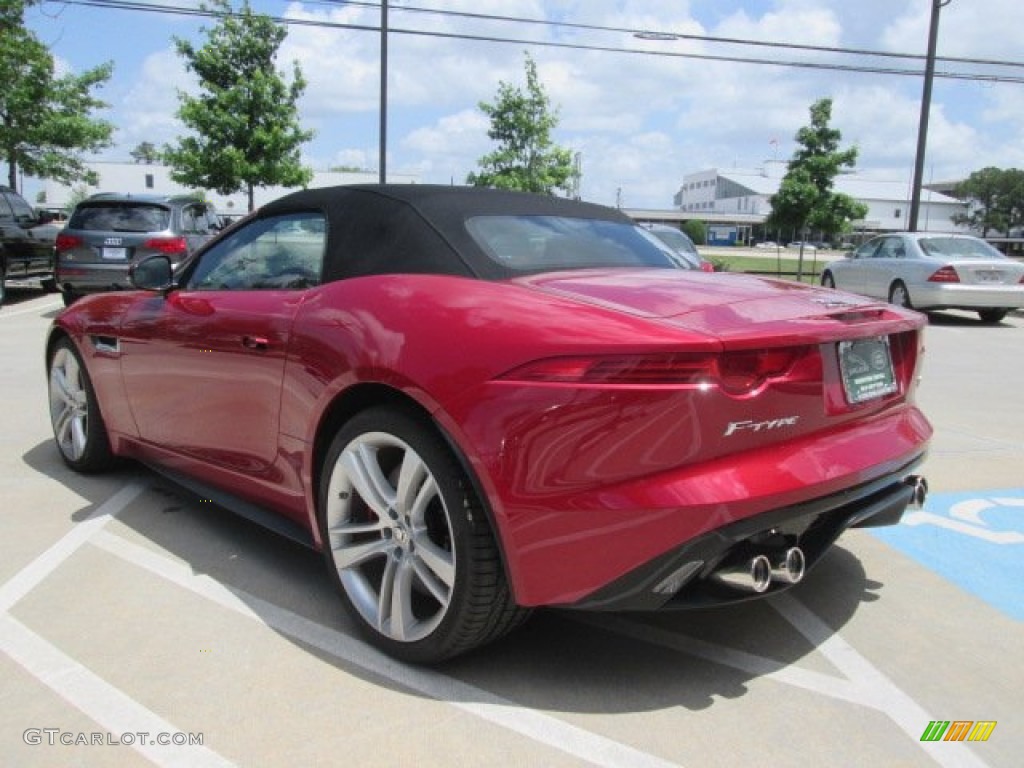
(558, 661)
(965, 319)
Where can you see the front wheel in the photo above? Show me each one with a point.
(827, 281)
(407, 541)
(74, 412)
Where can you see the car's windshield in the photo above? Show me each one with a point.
(120, 217)
(675, 239)
(542, 243)
(959, 248)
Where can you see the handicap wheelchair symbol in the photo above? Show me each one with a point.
(965, 517)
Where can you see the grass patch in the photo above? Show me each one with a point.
(783, 267)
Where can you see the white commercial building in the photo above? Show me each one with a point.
(140, 178)
(717, 195)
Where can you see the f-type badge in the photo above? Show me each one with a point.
(760, 426)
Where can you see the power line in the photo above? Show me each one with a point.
(671, 36)
(130, 5)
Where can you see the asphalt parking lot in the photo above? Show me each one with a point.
(132, 614)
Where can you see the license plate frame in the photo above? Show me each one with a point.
(866, 369)
(115, 254)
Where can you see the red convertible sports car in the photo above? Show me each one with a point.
(475, 402)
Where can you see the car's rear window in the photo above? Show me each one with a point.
(958, 247)
(120, 217)
(543, 243)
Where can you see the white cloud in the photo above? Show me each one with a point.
(641, 121)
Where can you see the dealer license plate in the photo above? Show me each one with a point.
(989, 276)
(115, 253)
(866, 366)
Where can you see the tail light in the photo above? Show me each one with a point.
(736, 373)
(617, 369)
(945, 275)
(170, 245)
(66, 242)
(743, 372)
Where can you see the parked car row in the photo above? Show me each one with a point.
(26, 245)
(92, 250)
(108, 232)
(931, 272)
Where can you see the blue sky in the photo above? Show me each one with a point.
(640, 121)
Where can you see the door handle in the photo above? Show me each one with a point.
(255, 343)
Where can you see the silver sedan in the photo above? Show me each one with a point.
(929, 271)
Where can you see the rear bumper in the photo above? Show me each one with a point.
(683, 579)
(89, 278)
(959, 296)
(567, 548)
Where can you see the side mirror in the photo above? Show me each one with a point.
(153, 273)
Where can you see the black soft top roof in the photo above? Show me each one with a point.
(419, 228)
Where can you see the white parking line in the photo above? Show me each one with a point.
(880, 692)
(537, 726)
(93, 696)
(862, 683)
(25, 580)
(99, 700)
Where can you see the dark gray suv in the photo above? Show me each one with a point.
(26, 254)
(107, 232)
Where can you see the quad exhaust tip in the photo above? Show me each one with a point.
(758, 572)
(919, 488)
(789, 569)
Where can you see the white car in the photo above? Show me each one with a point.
(930, 271)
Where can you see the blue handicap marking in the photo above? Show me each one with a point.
(974, 539)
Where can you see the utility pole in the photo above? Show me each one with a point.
(382, 173)
(926, 105)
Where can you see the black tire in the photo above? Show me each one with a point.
(78, 426)
(992, 316)
(68, 296)
(899, 295)
(422, 576)
(827, 281)
(3, 283)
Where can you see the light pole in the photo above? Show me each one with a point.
(926, 105)
(382, 172)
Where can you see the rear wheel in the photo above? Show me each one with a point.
(68, 296)
(899, 295)
(407, 541)
(77, 424)
(992, 316)
(827, 280)
(3, 280)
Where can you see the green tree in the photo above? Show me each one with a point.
(526, 158)
(145, 153)
(45, 121)
(805, 200)
(995, 199)
(697, 230)
(245, 118)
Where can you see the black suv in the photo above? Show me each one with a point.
(107, 232)
(25, 253)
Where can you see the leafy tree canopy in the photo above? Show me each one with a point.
(995, 199)
(526, 158)
(145, 153)
(245, 124)
(46, 121)
(805, 200)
